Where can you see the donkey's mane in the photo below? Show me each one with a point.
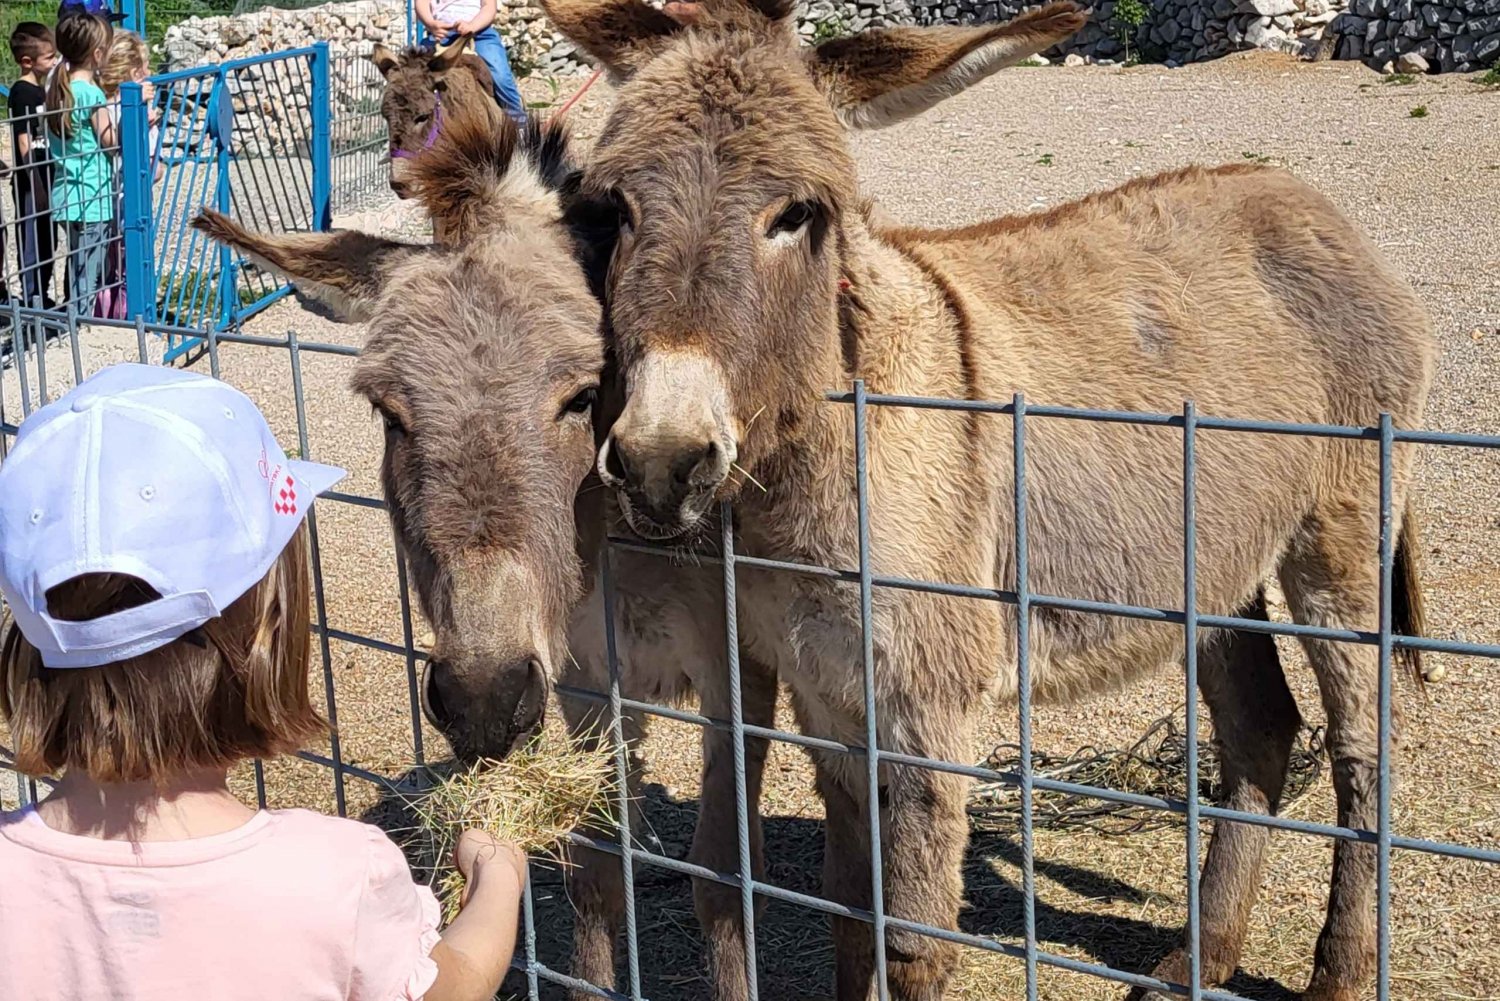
(482, 168)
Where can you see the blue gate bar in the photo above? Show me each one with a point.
(322, 141)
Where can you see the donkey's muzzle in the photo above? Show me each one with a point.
(485, 713)
(667, 483)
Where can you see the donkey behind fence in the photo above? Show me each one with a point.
(747, 279)
(488, 469)
(1182, 286)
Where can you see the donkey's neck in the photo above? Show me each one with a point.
(901, 331)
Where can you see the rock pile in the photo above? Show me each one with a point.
(1415, 37)
(1170, 31)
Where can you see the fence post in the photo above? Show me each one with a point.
(411, 23)
(135, 202)
(221, 121)
(135, 16)
(322, 148)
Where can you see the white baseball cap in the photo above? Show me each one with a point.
(160, 474)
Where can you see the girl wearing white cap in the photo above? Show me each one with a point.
(153, 557)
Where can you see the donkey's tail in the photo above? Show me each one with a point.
(1408, 617)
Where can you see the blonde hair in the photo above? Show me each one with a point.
(78, 37)
(127, 53)
(235, 688)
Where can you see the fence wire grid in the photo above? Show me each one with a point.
(63, 357)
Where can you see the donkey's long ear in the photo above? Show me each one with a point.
(384, 59)
(623, 35)
(345, 271)
(876, 78)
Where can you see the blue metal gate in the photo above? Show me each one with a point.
(248, 137)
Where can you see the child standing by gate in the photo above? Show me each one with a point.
(81, 132)
(446, 20)
(127, 61)
(35, 52)
(153, 553)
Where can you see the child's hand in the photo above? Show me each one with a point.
(478, 851)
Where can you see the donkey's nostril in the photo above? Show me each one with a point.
(615, 462)
(437, 709)
(701, 460)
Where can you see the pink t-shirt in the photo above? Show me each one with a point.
(292, 905)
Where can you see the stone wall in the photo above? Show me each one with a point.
(1442, 35)
(1449, 35)
(353, 28)
(1170, 31)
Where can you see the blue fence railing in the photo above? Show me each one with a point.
(251, 138)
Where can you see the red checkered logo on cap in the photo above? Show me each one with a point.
(286, 502)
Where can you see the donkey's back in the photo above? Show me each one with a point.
(1239, 287)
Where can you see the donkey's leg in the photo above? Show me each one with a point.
(846, 876)
(595, 880)
(716, 840)
(1330, 579)
(1255, 721)
(924, 831)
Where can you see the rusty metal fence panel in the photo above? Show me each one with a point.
(45, 342)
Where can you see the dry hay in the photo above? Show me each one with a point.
(534, 799)
(1155, 765)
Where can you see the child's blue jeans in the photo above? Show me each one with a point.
(487, 46)
(87, 242)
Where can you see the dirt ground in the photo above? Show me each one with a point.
(1425, 183)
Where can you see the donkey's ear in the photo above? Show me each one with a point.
(623, 35)
(345, 271)
(384, 59)
(876, 78)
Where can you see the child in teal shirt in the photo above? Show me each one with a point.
(81, 133)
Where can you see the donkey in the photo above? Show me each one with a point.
(485, 359)
(421, 90)
(748, 277)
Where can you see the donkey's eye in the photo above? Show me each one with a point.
(622, 209)
(583, 402)
(392, 423)
(420, 119)
(793, 218)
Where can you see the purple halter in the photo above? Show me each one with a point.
(432, 133)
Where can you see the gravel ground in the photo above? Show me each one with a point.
(1427, 186)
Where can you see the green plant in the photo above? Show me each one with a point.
(1420, 111)
(1399, 79)
(1045, 160)
(1491, 78)
(551, 101)
(1255, 157)
(830, 28)
(1130, 15)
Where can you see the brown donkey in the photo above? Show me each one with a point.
(482, 358)
(749, 277)
(421, 91)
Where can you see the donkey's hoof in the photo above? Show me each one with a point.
(1326, 992)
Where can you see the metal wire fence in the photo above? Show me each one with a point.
(62, 245)
(250, 138)
(60, 355)
(360, 136)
